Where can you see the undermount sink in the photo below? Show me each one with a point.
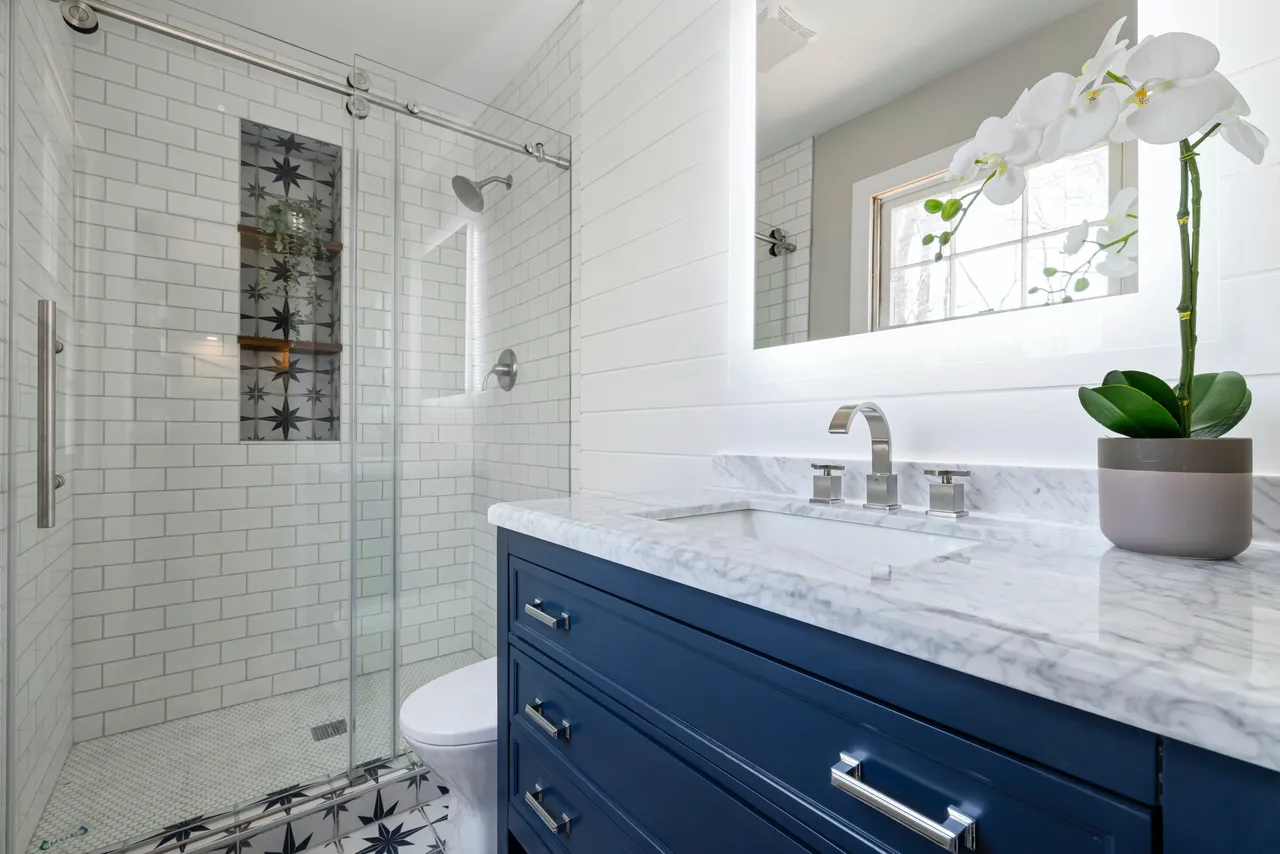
(829, 538)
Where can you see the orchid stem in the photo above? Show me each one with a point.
(1189, 232)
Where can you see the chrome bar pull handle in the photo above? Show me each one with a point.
(47, 349)
(534, 610)
(533, 711)
(534, 800)
(958, 830)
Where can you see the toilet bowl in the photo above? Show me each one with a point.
(452, 724)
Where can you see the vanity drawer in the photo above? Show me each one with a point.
(675, 803)
(794, 729)
(564, 818)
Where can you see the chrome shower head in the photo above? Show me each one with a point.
(470, 193)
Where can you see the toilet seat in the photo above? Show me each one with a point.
(458, 709)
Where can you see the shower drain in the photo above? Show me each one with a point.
(333, 729)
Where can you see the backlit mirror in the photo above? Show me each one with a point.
(860, 110)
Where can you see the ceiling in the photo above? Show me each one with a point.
(867, 54)
(475, 47)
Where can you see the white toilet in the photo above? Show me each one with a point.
(452, 724)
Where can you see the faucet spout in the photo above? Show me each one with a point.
(882, 483)
(881, 442)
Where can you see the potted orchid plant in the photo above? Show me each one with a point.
(1173, 485)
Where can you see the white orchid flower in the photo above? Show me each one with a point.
(1076, 238)
(1123, 210)
(1088, 120)
(1109, 57)
(1175, 91)
(1238, 133)
(1000, 151)
(1120, 225)
(1121, 261)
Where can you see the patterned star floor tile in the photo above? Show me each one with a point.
(408, 832)
(179, 772)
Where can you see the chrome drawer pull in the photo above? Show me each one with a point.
(535, 611)
(534, 713)
(957, 830)
(534, 800)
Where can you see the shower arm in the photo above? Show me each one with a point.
(537, 151)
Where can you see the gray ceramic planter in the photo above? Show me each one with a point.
(1177, 497)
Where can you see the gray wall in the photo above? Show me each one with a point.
(932, 117)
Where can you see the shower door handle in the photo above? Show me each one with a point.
(47, 349)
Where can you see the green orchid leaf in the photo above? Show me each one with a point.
(1215, 398)
(1225, 426)
(1152, 386)
(1126, 410)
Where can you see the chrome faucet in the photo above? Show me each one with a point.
(882, 483)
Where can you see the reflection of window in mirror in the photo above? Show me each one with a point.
(997, 261)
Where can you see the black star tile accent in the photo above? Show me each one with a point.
(289, 845)
(286, 173)
(389, 840)
(379, 810)
(290, 144)
(287, 370)
(293, 397)
(285, 419)
(182, 831)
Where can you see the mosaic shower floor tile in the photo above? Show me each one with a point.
(127, 786)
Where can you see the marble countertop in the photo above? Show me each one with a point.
(1187, 649)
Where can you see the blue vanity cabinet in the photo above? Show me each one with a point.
(1215, 804)
(690, 723)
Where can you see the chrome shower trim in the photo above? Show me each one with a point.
(79, 16)
(536, 150)
(778, 242)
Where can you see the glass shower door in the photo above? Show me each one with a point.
(179, 635)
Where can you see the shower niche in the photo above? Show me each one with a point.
(290, 285)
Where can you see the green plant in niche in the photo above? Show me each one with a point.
(290, 229)
(1164, 91)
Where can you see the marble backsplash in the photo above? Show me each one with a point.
(1043, 494)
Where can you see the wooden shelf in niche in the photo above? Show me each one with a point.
(280, 345)
(251, 238)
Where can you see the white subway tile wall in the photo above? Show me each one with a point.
(525, 443)
(44, 239)
(784, 199)
(212, 572)
(208, 571)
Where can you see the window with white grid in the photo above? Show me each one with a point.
(997, 259)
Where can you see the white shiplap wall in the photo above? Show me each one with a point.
(655, 239)
(657, 391)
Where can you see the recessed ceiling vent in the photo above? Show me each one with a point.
(778, 35)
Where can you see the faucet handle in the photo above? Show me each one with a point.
(947, 498)
(827, 484)
(947, 474)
